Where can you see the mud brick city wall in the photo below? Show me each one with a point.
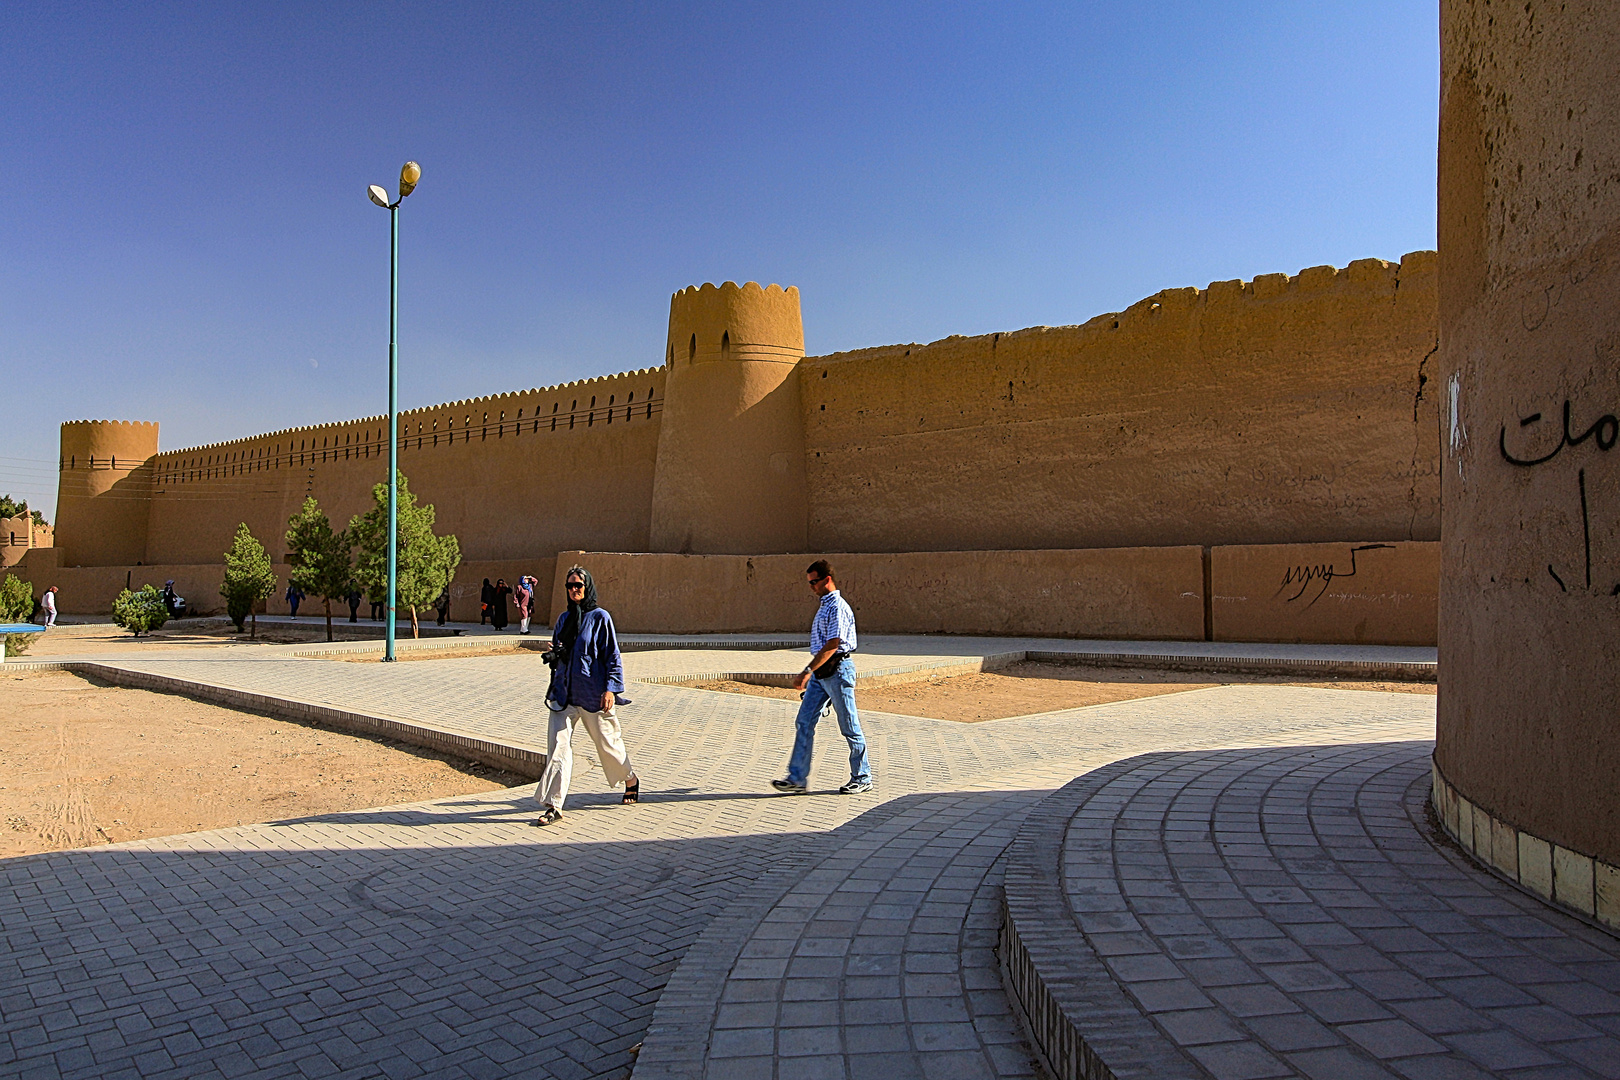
(1282, 410)
(1273, 413)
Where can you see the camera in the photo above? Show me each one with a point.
(555, 655)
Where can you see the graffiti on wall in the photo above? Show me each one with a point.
(1301, 578)
(1602, 432)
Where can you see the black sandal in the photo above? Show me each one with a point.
(632, 793)
(549, 815)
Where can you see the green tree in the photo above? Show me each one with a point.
(322, 566)
(248, 578)
(426, 562)
(16, 599)
(10, 507)
(16, 605)
(141, 610)
(39, 518)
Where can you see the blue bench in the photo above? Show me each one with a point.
(7, 629)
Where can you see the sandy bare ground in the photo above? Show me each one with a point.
(1027, 688)
(84, 763)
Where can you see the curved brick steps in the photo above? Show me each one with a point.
(1288, 911)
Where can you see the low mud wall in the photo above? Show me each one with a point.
(1143, 593)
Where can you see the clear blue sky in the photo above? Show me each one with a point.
(184, 234)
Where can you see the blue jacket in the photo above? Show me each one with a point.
(593, 667)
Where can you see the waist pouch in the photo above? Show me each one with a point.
(830, 668)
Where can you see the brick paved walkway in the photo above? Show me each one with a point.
(1292, 911)
(452, 939)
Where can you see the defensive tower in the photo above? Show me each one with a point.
(1529, 224)
(731, 476)
(104, 491)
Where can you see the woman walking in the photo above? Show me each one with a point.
(583, 684)
(498, 614)
(523, 597)
(486, 597)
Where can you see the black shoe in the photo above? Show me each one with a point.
(549, 815)
(788, 787)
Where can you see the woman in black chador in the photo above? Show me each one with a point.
(486, 597)
(497, 606)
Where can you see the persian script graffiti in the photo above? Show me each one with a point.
(1304, 576)
(1603, 432)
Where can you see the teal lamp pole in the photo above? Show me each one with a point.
(408, 176)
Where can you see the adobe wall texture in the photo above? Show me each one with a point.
(503, 473)
(18, 534)
(1281, 410)
(1529, 220)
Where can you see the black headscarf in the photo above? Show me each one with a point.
(577, 608)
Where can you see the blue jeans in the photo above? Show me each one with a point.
(840, 688)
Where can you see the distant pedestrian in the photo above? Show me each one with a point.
(442, 605)
(486, 597)
(47, 604)
(378, 605)
(830, 675)
(584, 685)
(295, 596)
(499, 615)
(523, 597)
(354, 605)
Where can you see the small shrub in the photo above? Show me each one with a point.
(141, 610)
(17, 644)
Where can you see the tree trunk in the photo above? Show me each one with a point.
(415, 632)
(254, 633)
(328, 618)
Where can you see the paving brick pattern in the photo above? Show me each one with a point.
(452, 939)
(1293, 912)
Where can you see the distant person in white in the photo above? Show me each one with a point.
(47, 604)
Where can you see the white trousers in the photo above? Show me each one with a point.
(609, 740)
(523, 624)
(50, 618)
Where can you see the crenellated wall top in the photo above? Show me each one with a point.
(494, 400)
(707, 321)
(1364, 276)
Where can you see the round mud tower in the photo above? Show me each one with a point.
(730, 477)
(104, 491)
(1529, 227)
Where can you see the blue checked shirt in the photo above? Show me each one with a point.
(834, 619)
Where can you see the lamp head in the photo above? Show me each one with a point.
(408, 176)
(378, 196)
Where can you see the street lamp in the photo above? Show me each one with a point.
(408, 176)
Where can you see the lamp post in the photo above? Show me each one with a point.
(408, 176)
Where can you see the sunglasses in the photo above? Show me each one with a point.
(576, 584)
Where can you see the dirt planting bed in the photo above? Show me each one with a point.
(84, 763)
(1035, 687)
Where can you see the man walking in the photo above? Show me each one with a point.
(47, 604)
(830, 676)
